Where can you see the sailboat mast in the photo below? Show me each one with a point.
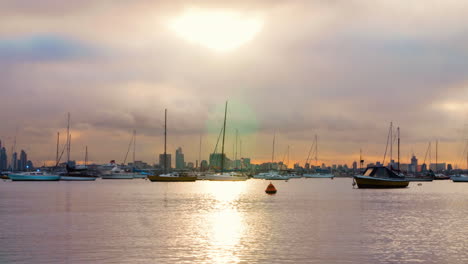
(199, 153)
(287, 162)
(69, 146)
(68, 138)
(316, 150)
(57, 154)
(437, 147)
(273, 151)
(86, 157)
(240, 154)
(398, 130)
(235, 155)
(165, 140)
(391, 144)
(134, 147)
(224, 134)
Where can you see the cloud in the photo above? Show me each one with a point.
(341, 69)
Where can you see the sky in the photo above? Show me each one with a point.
(340, 69)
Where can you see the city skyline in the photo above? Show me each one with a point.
(342, 70)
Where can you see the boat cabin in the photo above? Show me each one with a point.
(380, 172)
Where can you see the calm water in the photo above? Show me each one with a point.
(308, 221)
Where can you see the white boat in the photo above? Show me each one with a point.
(33, 176)
(318, 175)
(226, 176)
(293, 175)
(459, 178)
(274, 175)
(117, 174)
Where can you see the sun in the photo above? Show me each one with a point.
(217, 29)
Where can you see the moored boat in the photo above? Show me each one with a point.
(33, 176)
(459, 178)
(318, 175)
(117, 174)
(380, 177)
(172, 177)
(226, 176)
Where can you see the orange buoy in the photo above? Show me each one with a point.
(270, 189)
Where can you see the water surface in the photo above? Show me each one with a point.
(307, 221)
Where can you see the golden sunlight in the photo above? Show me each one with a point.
(219, 30)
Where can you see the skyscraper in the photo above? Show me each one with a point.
(414, 164)
(14, 162)
(22, 162)
(180, 163)
(3, 158)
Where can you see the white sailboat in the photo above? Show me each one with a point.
(317, 174)
(272, 174)
(225, 176)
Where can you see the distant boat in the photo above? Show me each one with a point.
(319, 175)
(116, 173)
(459, 178)
(33, 176)
(74, 174)
(226, 176)
(272, 175)
(380, 177)
(172, 177)
(440, 176)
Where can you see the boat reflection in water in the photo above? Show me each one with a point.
(380, 177)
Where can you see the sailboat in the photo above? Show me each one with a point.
(382, 177)
(225, 176)
(319, 173)
(33, 176)
(72, 173)
(174, 176)
(136, 173)
(272, 174)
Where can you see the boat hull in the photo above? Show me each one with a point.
(319, 175)
(225, 178)
(419, 179)
(155, 178)
(77, 178)
(18, 177)
(364, 182)
(117, 177)
(459, 179)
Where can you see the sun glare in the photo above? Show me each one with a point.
(220, 30)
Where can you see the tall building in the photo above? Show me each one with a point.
(168, 161)
(414, 164)
(3, 158)
(23, 160)
(246, 163)
(14, 162)
(204, 165)
(354, 165)
(179, 156)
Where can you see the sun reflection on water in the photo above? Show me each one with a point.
(226, 224)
